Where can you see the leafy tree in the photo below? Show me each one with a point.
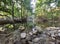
(14, 10)
(49, 10)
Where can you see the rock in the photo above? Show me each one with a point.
(58, 31)
(30, 42)
(52, 31)
(52, 28)
(22, 28)
(30, 33)
(58, 34)
(23, 35)
(17, 42)
(16, 35)
(29, 37)
(1, 29)
(36, 39)
(52, 43)
(38, 28)
(23, 41)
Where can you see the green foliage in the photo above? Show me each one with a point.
(43, 9)
(22, 8)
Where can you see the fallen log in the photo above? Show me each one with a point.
(11, 21)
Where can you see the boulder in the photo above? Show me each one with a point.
(52, 28)
(36, 39)
(23, 35)
(38, 28)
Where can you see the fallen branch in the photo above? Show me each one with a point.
(11, 21)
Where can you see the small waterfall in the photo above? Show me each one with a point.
(31, 18)
(33, 5)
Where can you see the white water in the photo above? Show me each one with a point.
(33, 6)
(31, 18)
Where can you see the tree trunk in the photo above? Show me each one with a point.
(11, 21)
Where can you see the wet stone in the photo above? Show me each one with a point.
(36, 39)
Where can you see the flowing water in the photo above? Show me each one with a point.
(31, 18)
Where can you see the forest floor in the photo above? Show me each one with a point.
(33, 37)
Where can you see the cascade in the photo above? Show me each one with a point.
(31, 18)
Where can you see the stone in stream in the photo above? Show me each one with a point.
(21, 28)
(29, 36)
(30, 33)
(52, 28)
(23, 35)
(38, 28)
(15, 37)
(17, 42)
(36, 39)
